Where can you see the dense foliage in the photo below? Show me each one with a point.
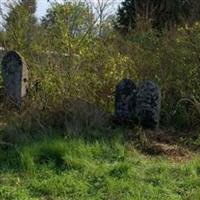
(69, 62)
(62, 143)
(160, 13)
(20, 24)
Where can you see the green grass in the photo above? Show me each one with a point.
(63, 169)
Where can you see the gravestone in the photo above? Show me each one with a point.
(148, 104)
(15, 76)
(125, 101)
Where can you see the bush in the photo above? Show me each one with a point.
(72, 80)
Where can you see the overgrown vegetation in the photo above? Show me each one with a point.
(160, 14)
(62, 143)
(69, 60)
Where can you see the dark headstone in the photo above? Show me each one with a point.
(125, 101)
(15, 76)
(148, 104)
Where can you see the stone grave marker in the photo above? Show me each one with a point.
(15, 76)
(125, 101)
(148, 104)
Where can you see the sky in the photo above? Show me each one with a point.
(42, 6)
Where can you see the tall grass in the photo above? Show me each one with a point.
(78, 169)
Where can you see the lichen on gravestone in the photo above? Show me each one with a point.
(125, 101)
(15, 77)
(148, 104)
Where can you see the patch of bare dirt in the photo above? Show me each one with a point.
(160, 142)
(174, 152)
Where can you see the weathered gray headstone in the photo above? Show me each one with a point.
(15, 76)
(125, 101)
(148, 104)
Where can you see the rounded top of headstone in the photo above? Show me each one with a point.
(150, 85)
(126, 81)
(11, 60)
(126, 86)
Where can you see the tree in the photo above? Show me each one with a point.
(19, 24)
(161, 13)
(75, 16)
(126, 16)
(102, 9)
(2, 38)
(66, 29)
(66, 34)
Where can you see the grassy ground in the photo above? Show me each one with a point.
(73, 168)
